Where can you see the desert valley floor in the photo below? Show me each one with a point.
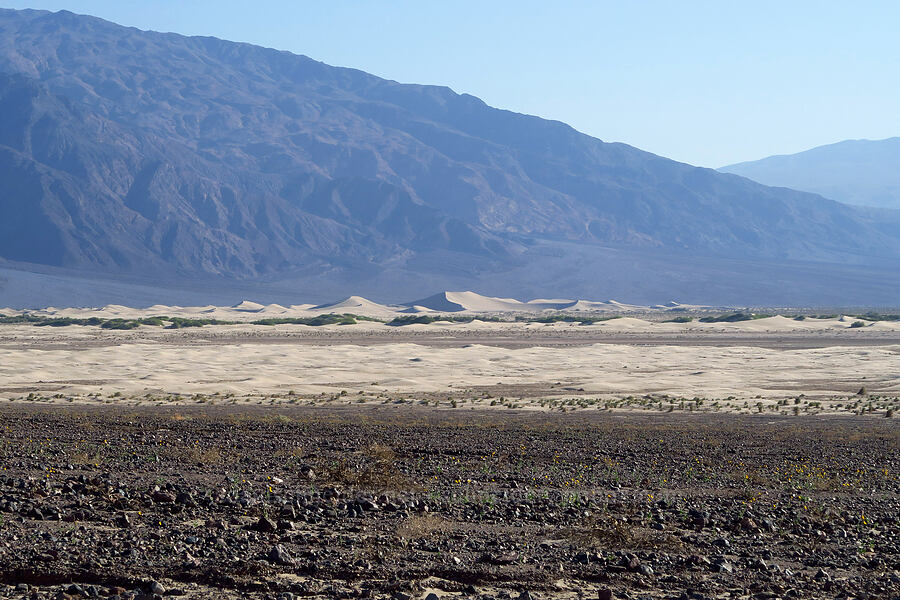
(622, 458)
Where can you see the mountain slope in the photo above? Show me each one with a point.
(139, 152)
(860, 172)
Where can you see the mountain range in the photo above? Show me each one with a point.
(128, 154)
(860, 172)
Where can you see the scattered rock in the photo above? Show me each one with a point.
(279, 556)
(264, 525)
(156, 587)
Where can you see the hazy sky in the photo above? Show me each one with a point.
(709, 83)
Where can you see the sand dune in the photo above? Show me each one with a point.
(632, 317)
(359, 306)
(470, 302)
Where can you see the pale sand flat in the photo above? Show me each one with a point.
(600, 369)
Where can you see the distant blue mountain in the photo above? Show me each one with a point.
(137, 153)
(860, 172)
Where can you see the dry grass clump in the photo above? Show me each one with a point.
(84, 459)
(417, 527)
(205, 456)
(614, 534)
(375, 470)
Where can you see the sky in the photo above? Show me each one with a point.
(704, 82)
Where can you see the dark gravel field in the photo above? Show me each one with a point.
(411, 502)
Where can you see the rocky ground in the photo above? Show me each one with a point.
(409, 502)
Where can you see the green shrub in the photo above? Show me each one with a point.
(317, 321)
(679, 320)
(874, 316)
(26, 318)
(66, 321)
(120, 324)
(732, 318)
(181, 323)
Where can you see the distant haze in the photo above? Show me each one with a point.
(861, 172)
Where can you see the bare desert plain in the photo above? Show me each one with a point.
(357, 450)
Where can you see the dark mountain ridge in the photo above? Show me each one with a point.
(132, 151)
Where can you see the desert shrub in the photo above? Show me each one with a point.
(564, 318)
(120, 324)
(401, 320)
(874, 316)
(67, 321)
(417, 527)
(317, 321)
(181, 323)
(154, 321)
(26, 318)
(600, 532)
(376, 470)
(679, 320)
(732, 318)
(857, 324)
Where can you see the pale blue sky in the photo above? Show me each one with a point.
(705, 82)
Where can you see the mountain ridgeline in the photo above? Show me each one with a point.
(859, 172)
(126, 151)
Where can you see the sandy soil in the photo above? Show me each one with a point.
(767, 360)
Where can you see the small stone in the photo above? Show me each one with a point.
(264, 525)
(162, 497)
(723, 566)
(759, 565)
(285, 525)
(185, 499)
(279, 556)
(75, 590)
(604, 594)
(432, 596)
(156, 587)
